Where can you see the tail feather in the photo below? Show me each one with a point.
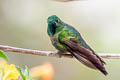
(87, 57)
(88, 63)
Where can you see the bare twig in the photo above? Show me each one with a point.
(52, 54)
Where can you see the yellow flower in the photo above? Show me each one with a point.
(2, 65)
(44, 71)
(10, 72)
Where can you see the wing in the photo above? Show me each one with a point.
(93, 51)
(85, 56)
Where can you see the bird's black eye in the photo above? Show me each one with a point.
(57, 20)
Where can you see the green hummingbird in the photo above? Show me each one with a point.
(66, 38)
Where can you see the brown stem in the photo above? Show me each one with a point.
(52, 54)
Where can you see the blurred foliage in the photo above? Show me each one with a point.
(12, 72)
(23, 23)
(25, 74)
(2, 55)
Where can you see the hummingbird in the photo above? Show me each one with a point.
(66, 39)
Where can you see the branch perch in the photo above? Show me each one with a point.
(52, 54)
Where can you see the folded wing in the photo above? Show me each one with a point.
(85, 56)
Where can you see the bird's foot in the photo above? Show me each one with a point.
(60, 54)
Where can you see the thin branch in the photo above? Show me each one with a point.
(52, 54)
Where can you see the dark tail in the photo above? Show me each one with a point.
(89, 64)
(86, 56)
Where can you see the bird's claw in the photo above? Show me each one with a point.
(59, 54)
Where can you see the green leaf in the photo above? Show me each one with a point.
(26, 73)
(20, 71)
(2, 55)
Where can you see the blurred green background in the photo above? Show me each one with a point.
(23, 23)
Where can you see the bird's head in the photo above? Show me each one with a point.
(53, 23)
(53, 19)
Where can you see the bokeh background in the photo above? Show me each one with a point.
(23, 23)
